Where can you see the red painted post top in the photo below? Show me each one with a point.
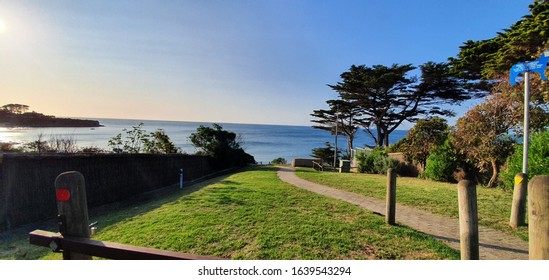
(62, 195)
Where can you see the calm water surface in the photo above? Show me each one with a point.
(264, 142)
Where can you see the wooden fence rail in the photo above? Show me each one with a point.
(103, 249)
(73, 240)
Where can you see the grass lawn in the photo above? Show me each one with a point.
(494, 205)
(253, 215)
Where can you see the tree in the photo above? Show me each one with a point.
(224, 147)
(482, 135)
(133, 143)
(423, 137)
(159, 142)
(386, 96)
(137, 140)
(326, 153)
(345, 114)
(15, 108)
(485, 63)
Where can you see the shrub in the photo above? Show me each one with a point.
(326, 154)
(223, 147)
(441, 163)
(538, 160)
(376, 162)
(9, 147)
(279, 161)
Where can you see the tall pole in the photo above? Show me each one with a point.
(526, 122)
(337, 132)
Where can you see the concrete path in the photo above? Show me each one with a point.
(494, 245)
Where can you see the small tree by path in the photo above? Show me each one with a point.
(482, 135)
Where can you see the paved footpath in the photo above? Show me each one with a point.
(494, 245)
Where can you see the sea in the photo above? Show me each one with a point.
(264, 142)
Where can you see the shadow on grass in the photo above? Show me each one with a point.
(14, 243)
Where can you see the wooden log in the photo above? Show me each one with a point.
(538, 218)
(72, 209)
(390, 206)
(468, 220)
(109, 250)
(518, 207)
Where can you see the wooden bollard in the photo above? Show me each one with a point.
(518, 208)
(468, 220)
(390, 207)
(72, 209)
(538, 218)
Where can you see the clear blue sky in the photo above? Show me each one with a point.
(220, 61)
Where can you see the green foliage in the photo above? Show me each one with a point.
(343, 113)
(486, 63)
(522, 41)
(224, 147)
(385, 96)
(279, 161)
(482, 135)
(441, 163)
(426, 134)
(376, 162)
(137, 140)
(398, 147)
(538, 159)
(159, 142)
(326, 154)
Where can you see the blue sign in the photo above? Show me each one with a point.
(530, 66)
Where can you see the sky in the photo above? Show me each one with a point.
(238, 61)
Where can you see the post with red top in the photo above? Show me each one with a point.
(72, 209)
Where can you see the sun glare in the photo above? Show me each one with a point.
(3, 27)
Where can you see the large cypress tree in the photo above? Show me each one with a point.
(387, 96)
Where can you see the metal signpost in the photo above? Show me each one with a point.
(539, 66)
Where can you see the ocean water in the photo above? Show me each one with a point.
(264, 142)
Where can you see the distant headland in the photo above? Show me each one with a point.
(16, 115)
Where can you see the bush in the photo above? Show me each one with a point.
(441, 163)
(326, 154)
(223, 147)
(538, 160)
(279, 161)
(376, 162)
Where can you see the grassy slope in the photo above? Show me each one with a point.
(253, 215)
(494, 205)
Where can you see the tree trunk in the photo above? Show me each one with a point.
(495, 172)
(380, 137)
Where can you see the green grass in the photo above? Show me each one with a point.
(254, 215)
(494, 205)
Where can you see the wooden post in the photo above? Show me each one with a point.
(518, 208)
(468, 220)
(391, 197)
(538, 218)
(72, 209)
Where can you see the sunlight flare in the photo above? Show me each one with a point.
(3, 27)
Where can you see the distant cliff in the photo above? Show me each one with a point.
(34, 119)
